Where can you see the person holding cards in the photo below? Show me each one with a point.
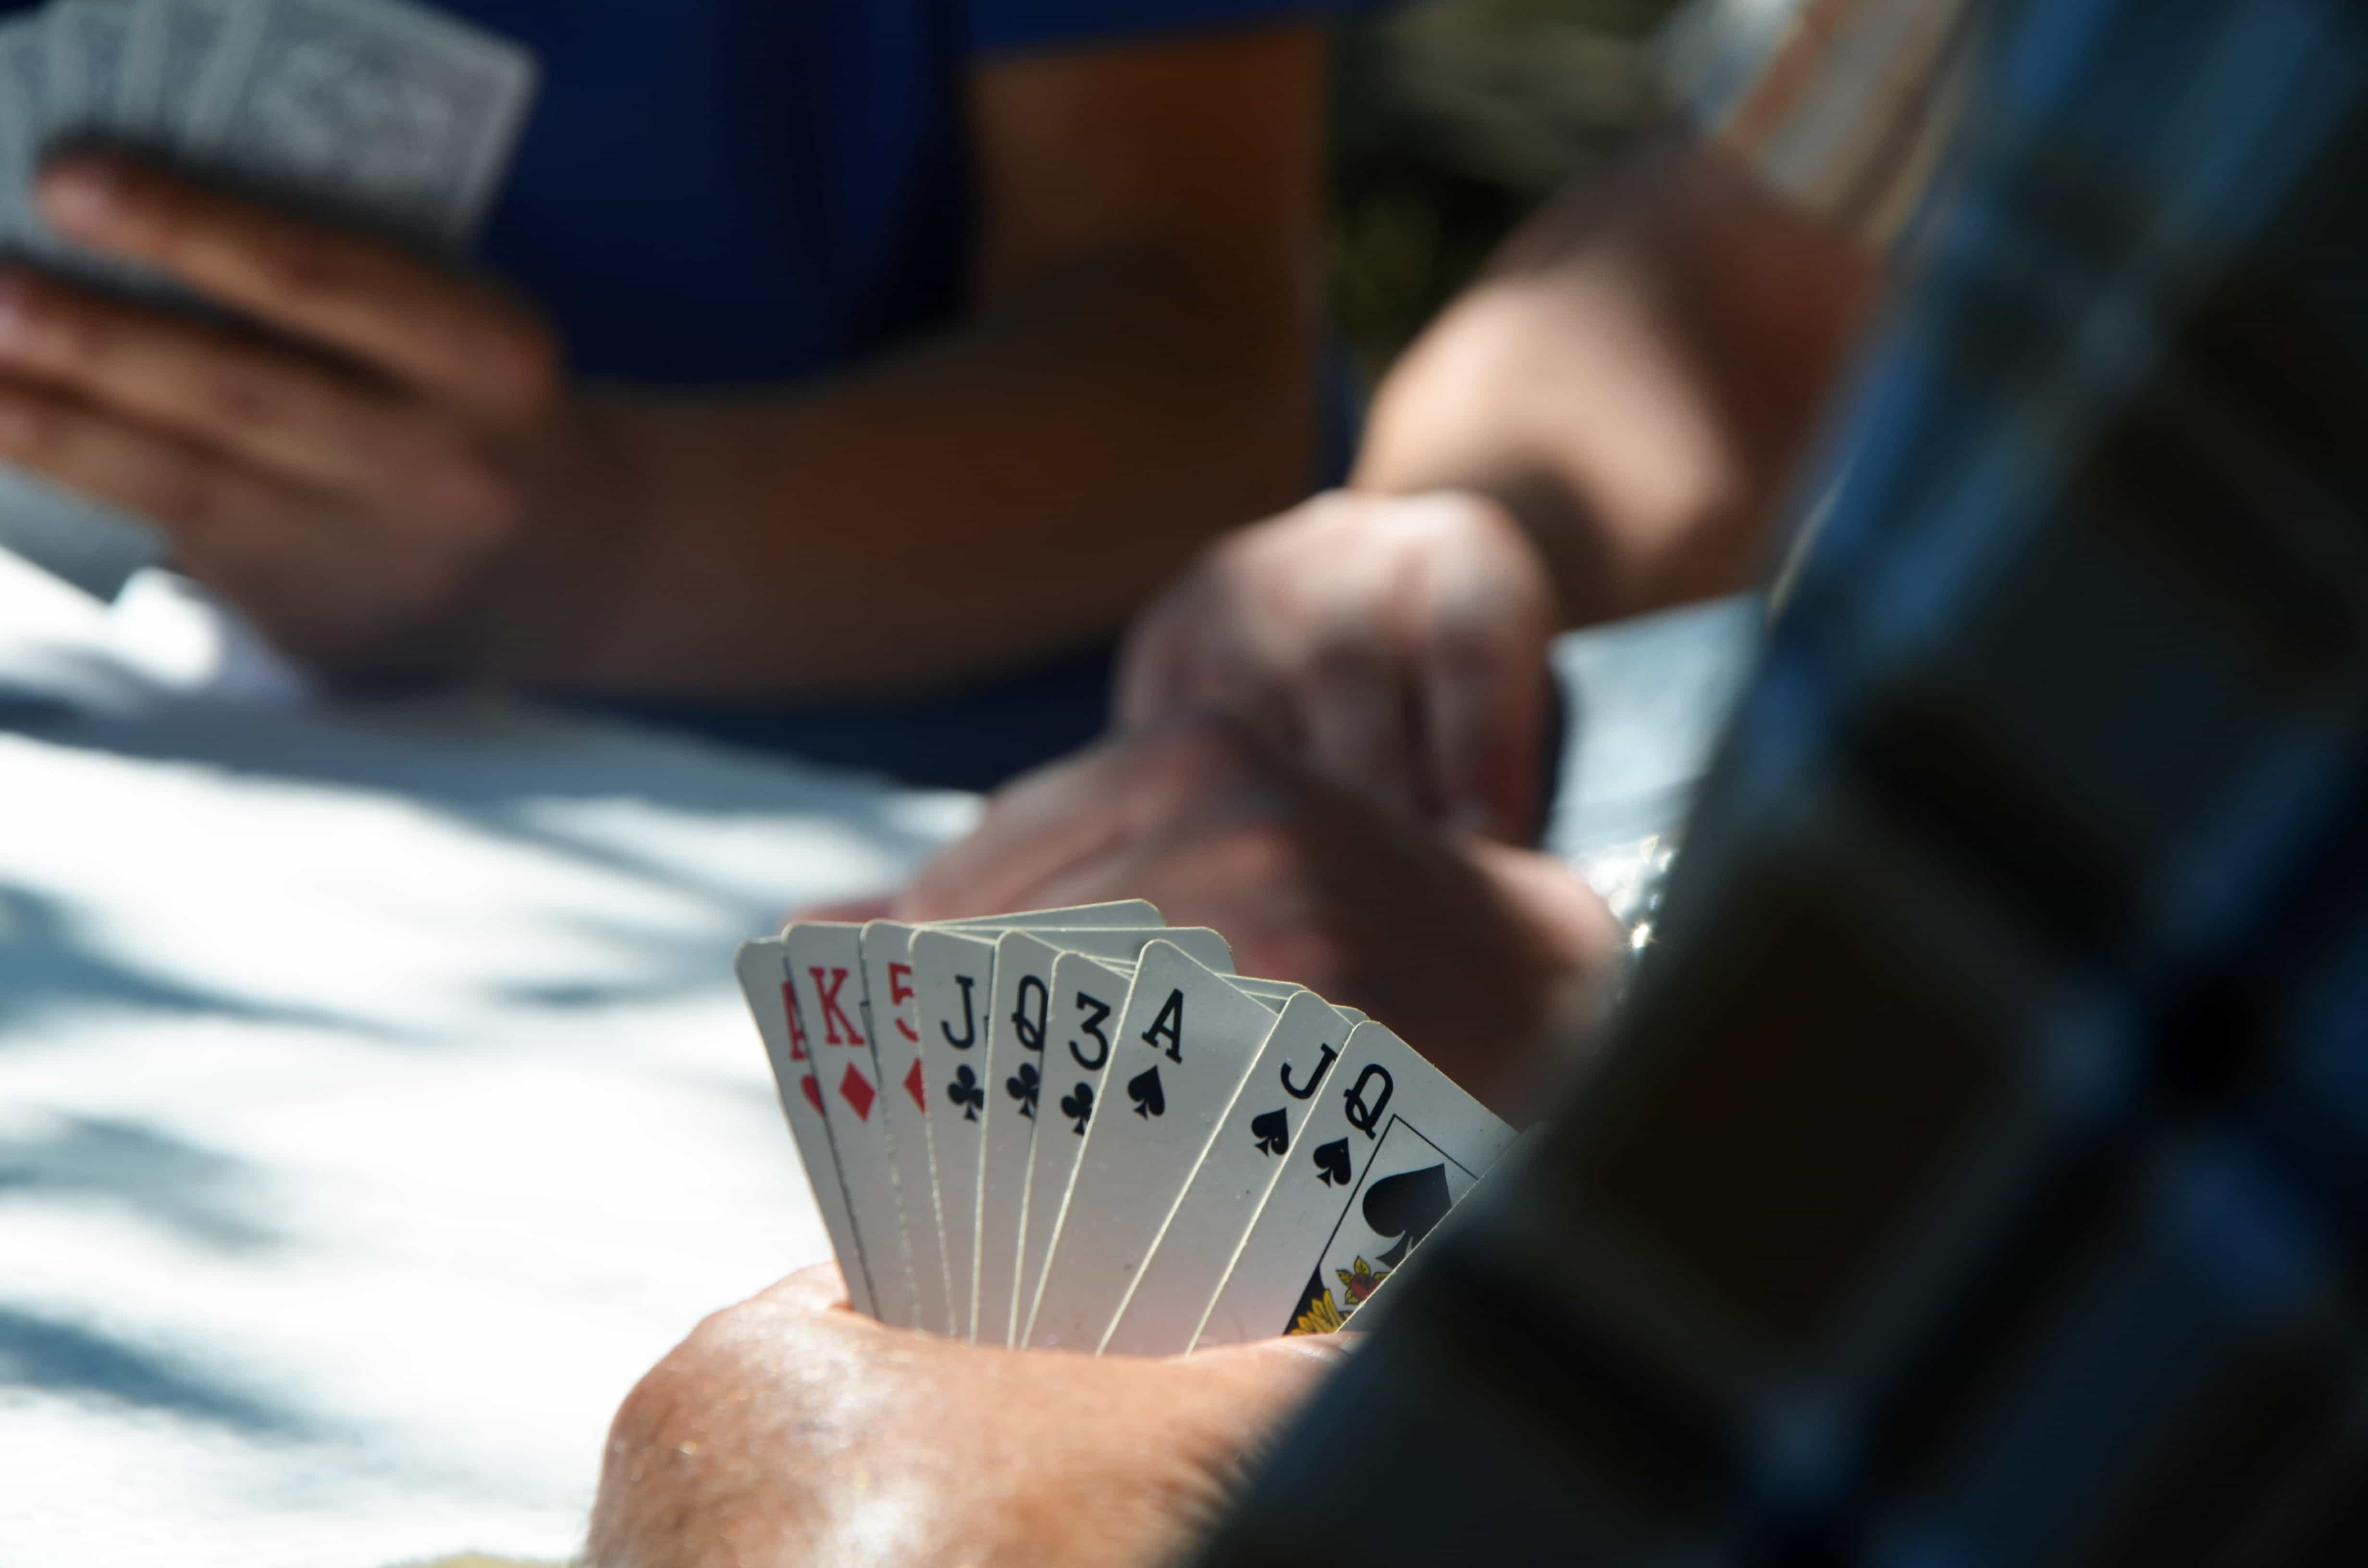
(1237, 1173)
(1841, 1257)
(836, 376)
(1070, 1128)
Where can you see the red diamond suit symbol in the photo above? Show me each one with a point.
(917, 1087)
(857, 1091)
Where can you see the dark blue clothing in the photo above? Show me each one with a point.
(757, 191)
(716, 191)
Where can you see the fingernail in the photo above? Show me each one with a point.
(79, 192)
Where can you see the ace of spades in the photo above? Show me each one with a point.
(1186, 1039)
(1145, 1089)
(1020, 1019)
(1164, 1304)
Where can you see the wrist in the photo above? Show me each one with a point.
(558, 603)
(1570, 943)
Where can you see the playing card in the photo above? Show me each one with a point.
(87, 43)
(764, 980)
(1391, 1147)
(385, 115)
(1274, 993)
(891, 992)
(1019, 1014)
(888, 990)
(95, 548)
(1162, 1309)
(24, 130)
(1181, 1048)
(1088, 995)
(826, 965)
(86, 46)
(173, 44)
(1071, 917)
(952, 971)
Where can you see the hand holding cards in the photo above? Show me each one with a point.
(1075, 1129)
(376, 114)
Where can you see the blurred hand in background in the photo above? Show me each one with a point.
(1396, 642)
(392, 472)
(1495, 963)
(360, 474)
(1604, 425)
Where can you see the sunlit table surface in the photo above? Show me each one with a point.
(375, 1101)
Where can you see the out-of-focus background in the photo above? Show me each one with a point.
(375, 1101)
(1451, 121)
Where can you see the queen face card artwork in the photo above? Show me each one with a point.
(1395, 1145)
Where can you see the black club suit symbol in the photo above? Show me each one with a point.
(1023, 1087)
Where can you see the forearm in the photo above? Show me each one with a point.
(1636, 377)
(1012, 489)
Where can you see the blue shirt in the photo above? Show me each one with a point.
(715, 191)
(711, 192)
(757, 190)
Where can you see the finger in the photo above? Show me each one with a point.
(302, 421)
(1154, 661)
(1485, 722)
(194, 497)
(454, 340)
(1250, 880)
(1296, 1355)
(1484, 692)
(1085, 810)
(1354, 710)
(850, 911)
(820, 1288)
(1047, 819)
(1229, 676)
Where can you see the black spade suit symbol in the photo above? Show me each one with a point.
(1332, 1162)
(1077, 1105)
(967, 1092)
(1149, 1099)
(1272, 1133)
(1407, 1205)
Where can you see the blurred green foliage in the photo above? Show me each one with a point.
(1453, 120)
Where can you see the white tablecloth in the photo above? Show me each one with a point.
(375, 1103)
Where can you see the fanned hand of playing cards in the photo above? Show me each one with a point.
(1076, 1128)
(377, 114)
